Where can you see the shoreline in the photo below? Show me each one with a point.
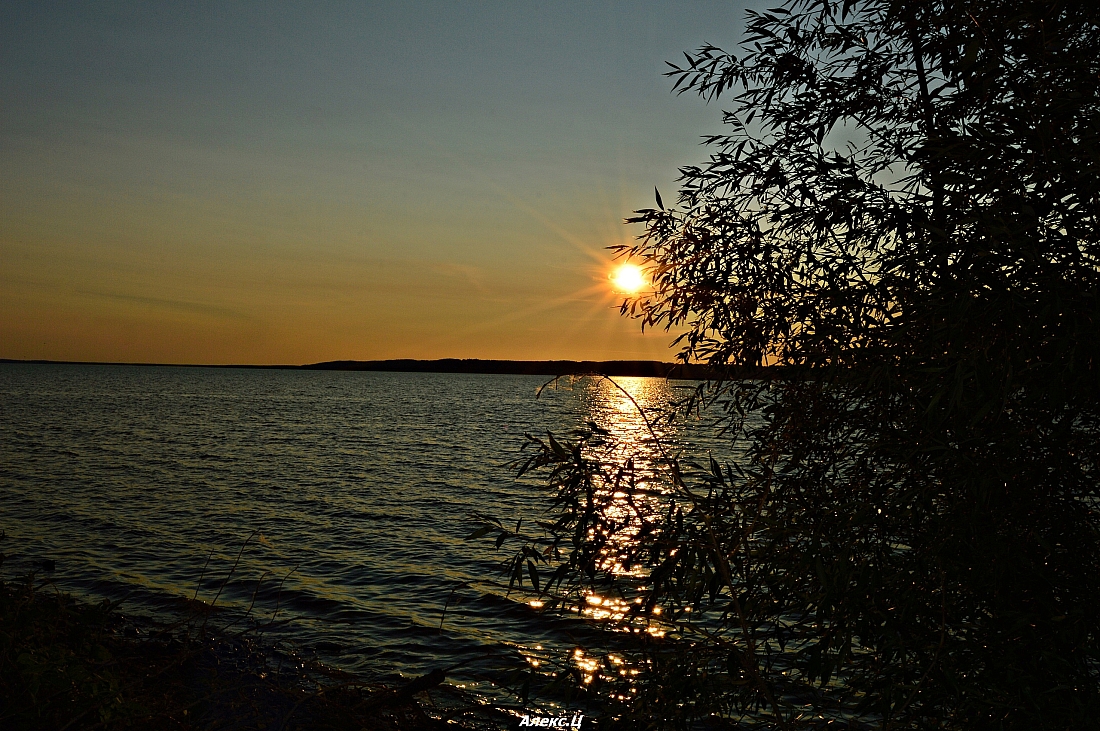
(74, 664)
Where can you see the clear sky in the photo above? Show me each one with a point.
(278, 182)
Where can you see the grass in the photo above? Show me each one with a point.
(67, 665)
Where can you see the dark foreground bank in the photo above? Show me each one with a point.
(67, 664)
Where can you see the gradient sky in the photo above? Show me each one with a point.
(279, 182)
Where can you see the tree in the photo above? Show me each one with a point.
(902, 226)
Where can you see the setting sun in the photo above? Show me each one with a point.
(628, 279)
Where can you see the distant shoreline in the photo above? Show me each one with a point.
(615, 368)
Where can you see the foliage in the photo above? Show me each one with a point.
(54, 661)
(901, 226)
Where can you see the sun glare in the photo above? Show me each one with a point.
(628, 279)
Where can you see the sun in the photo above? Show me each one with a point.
(628, 279)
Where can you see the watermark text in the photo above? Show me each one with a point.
(573, 721)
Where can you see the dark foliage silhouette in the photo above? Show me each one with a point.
(901, 222)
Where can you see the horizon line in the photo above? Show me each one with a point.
(490, 366)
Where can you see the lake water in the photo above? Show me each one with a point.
(361, 483)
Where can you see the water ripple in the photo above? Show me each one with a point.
(130, 477)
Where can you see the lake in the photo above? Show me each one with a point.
(362, 485)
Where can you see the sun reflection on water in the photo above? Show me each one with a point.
(627, 408)
(637, 445)
(632, 411)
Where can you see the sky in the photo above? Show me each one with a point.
(279, 183)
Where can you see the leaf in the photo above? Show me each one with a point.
(534, 574)
(716, 471)
(483, 530)
(557, 449)
(660, 204)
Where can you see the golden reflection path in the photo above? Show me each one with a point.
(640, 440)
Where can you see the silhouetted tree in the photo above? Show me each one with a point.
(902, 221)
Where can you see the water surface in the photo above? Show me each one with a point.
(362, 485)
